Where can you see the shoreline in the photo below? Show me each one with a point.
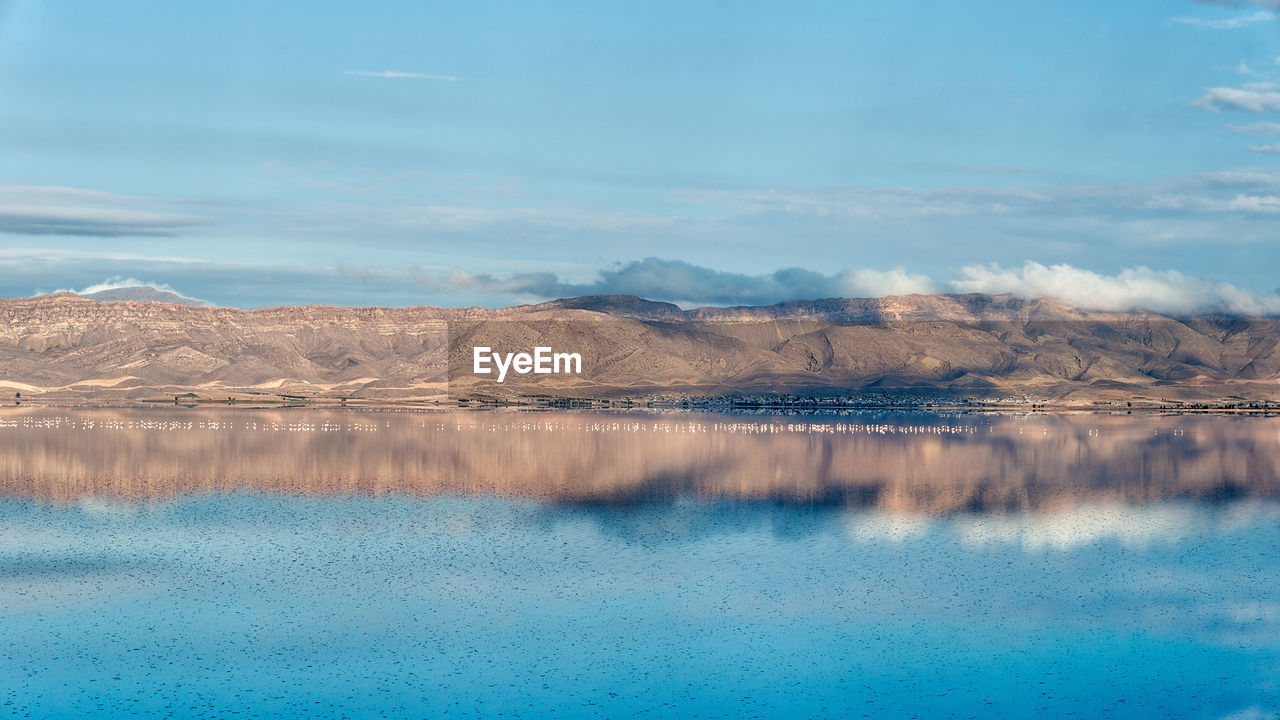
(799, 406)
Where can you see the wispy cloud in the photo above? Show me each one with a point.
(1255, 203)
(1258, 128)
(1234, 23)
(801, 224)
(477, 221)
(979, 169)
(46, 210)
(1215, 192)
(397, 74)
(1258, 99)
(850, 202)
(16, 257)
(1273, 149)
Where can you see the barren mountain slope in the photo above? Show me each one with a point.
(992, 346)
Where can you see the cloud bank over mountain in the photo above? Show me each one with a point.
(129, 288)
(690, 285)
(1137, 288)
(694, 245)
(682, 282)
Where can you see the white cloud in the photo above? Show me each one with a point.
(880, 283)
(1138, 288)
(1255, 203)
(1233, 23)
(402, 75)
(117, 282)
(1255, 99)
(1273, 149)
(1258, 128)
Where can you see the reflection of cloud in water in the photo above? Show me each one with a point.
(1252, 713)
(890, 526)
(1067, 528)
(1242, 622)
(106, 506)
(1268, 612)
(1134, 525)
(1058, 595)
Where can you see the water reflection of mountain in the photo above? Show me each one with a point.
(912, 464)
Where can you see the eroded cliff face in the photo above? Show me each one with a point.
(64, 344)
(62, 340)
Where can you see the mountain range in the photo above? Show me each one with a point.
(64, 346)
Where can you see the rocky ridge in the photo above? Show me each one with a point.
(64, 346)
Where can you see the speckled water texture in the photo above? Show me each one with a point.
(171, 564)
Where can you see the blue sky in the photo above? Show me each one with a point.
(701, 152)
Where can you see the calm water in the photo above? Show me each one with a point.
(243, 563)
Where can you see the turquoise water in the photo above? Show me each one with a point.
(245, 603)
(253, 605)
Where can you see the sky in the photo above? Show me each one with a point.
(1113, 155)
